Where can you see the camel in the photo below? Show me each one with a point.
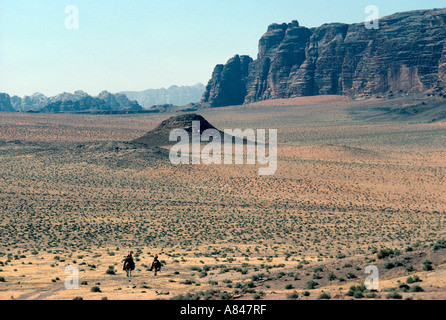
(155, 265)
(129, 265)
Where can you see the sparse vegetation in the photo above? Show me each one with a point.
(73, 194)
(324, 295)
(413, 279)
(311, 284)
(427, 265)
(394, 295)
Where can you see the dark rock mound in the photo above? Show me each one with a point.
(160, 135)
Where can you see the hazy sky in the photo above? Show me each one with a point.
(142, 44)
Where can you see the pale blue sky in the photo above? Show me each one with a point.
(137, 45)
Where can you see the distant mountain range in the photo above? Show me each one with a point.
(80, 101)
(173, 95)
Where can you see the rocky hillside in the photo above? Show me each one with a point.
(407, 53)
(173, 95)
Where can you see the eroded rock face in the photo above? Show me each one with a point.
(407, 53)
(228, 82)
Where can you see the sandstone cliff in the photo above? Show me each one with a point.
(407, 53)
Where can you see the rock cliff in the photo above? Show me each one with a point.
(407, 53)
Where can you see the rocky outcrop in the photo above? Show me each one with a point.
(29, 103)
(118, 101)
(5, 103)
(86, 103)
(228, 82)
(160, 135)
(407, 53)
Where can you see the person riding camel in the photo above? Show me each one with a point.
(129, 264)
(155, 264)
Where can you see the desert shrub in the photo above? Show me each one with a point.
(389, 289)
(2, 279)
(96, 289)
(324, 295)
(311, 284)
(256, 277)
(404, 287)
(351, 275)
(110, 270)
(357, 291)
(440, 244)
(288, 286)
(397, 263)
(389, 265)
(427, 265)
(413, 279)
(187, 296)
(371, 295)
(318, 269)
(292, 296)
(78, 298)
(410, 268)
(257, 296)
(225, 269)
(385, 252)
(195, 268)
(206, 268)
(225, 296)
(332, 277)
(394, 295)
(187, 281)
(416, 288)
